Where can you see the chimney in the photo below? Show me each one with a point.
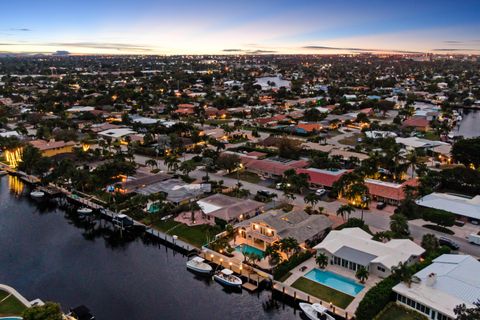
(431, 279)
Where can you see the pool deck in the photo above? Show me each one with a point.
(311, 264)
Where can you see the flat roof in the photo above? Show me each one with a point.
(463, 206)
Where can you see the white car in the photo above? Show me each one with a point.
(320, 192)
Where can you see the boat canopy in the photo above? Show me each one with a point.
(198, 259)
(319, 308)
(227, 272)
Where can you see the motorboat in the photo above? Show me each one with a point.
(315, 311)
(84, 211)
(37, 194)
(225, 277)
(197, 264)
(122, 221)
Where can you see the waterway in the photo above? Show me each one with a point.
(469, 126)
(47, 253)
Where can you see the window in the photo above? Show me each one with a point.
(380, 268)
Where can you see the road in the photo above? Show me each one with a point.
(378, 220)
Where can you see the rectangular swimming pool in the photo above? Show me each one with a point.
(335, 281)
(245, 248)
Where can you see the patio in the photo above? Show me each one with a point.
(199, 218)
(263, 263)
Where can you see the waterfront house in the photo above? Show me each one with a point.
(52, 147)
(451, 280)
(229, 209)
(275, 225)
(177, 191)
(352, 248)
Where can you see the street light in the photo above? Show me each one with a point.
(364, 199)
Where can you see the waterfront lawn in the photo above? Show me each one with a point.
(11, 306)
(395, 312)
(197, 235)
(322, 292)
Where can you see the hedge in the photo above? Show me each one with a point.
(283, 268)
(376, 299)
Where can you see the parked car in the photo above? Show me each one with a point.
(449, 243)
(381, 205)
(474, 238)
(320, 192)
(266, 193)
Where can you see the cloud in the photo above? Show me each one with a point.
(232, 50)
(453, 42)
(20, 29)
(101, 45)
(261, 51)
(455, 49)
(357, 49)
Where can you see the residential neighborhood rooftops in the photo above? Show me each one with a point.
(449, 281)
(228, 208)
(460, 205)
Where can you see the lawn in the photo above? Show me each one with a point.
(395, 312)
(245, 176)
(327, 294)
(351, 140)
(197, 235)
(10, 306)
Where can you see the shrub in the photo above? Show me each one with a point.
(376, 299)
(285, 266)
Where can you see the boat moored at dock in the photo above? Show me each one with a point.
(37, 194)
(226, 278)
(199, 265)
(315, 311)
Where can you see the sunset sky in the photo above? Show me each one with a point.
(234, 27)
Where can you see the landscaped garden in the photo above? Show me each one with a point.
(9, 305)
(322, 292)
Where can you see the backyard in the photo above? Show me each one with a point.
(9, 305)
(196, 235)
(395, 312)
(322, 292)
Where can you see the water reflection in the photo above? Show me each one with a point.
(15, 185)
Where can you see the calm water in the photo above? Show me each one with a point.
(469, 127)
(45, 253)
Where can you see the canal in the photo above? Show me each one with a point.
(469, 126)
(47, 253)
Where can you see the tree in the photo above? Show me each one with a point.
(288, 148)
(49, 311)
(228, 161)
(399, 225)
(271, 251)
(412, 160)
(289, 245)
(362, 274)
(151, 163)
(294, 182)
(187, 166)
(311, 199)
(430, 242)
(172, 162)
(33, 162)
(464, 313)
(403, 273)
(467, 152)
(322, 260)
(344, 211)
(439, 217)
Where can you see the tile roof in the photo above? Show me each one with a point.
(388, 190)
(322, 177)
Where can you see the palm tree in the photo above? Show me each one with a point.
(345, 211)
(322, 260)
(399, 225)
(311, 199)
(289, 245)
(362, 274)
(403, 273)
(151, 163)
(271, 251)
(430, 242)
(412, 161)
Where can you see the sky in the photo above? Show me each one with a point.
(239, 27)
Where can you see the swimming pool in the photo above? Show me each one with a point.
(11, 318)
(335, 281)
(245, 248)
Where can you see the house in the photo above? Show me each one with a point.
(417, 123)
(229, 209)
(412, 143)
(352, 248)
(436, 290)
(464, 207)
(52, 147)
(388, 192)
(177, 191)
(117, 133)
(270, 168)
(273, 226)
(322, 177)
(305, 127)
(132, 184)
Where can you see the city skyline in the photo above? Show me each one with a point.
(213, 27)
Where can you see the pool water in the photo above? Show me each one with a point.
(245, 248)
(335, 281)
(10, 318)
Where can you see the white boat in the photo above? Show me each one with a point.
(197, 264)
(315, 311)
(2, 173)
(84, 210)
(37, 194)
(226, 278)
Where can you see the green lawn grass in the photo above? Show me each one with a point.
(245, 176)
(197, 235)
(11, 306)
(351, 140)
(395, 312)
(327, 294)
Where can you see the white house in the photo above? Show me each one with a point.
(468, 208)
(352, 248)
(449, 281)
